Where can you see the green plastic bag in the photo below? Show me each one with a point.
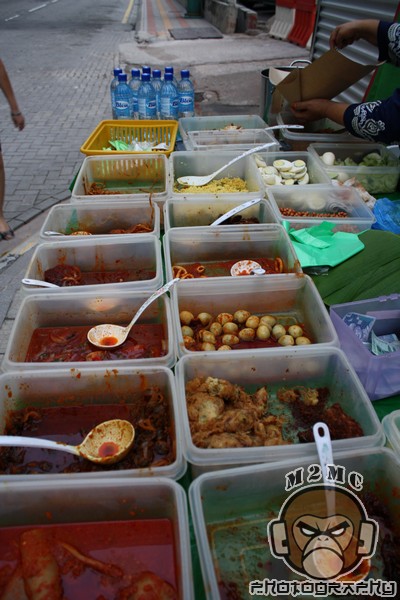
(319, 246)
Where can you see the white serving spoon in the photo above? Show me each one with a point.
(39, 282)
(50, 233)
(234, 211)
(246, 267)
(323, 442)
(200, 180)
(108, 443)
(109, 336)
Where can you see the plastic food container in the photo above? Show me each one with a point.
(391, 427)
(218, 123)
(156, 132)
(100, 219)
(321, 201)
(315, 172)
(138, 259)
(292, 297)
(124, 178)
(30, 504)
(205, 163)
(375, 179)
(232, 509)
(315, 368)
(91, 387)
(87, 309)
(213, 247)
(380, 375)
(323, 130)
(225, 140)
(202, 212)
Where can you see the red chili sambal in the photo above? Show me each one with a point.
(70, 344)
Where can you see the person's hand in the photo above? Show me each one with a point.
(310, 110)
(347, 33)
(18, 120)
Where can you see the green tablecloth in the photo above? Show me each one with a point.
(373, 272)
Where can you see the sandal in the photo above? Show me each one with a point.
(7, 235)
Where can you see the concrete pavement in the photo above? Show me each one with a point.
(42, 160)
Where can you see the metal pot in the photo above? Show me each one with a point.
(268, 88)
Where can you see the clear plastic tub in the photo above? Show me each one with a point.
(137, 259)
(375, 179)
(90, 386)
(293, 297)
(202, 212)
(31, 504)
(216, 247)
(315, 368)
(86, 310)
(320, 201)
(380, 375)
(225, 140)
(99, 220)
(391, 427)
(124, 177)
(218, 123)
(232, 509)
(315, 172)
(205, 163)
(323, 130)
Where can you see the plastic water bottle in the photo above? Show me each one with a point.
(186, 95)
(157, 84)
(147, 99)
(169, 98)
(123, 98)
(113, 85)
(171, 70)
(134, 84)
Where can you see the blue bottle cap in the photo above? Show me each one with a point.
(168, 77)
(145, 76)
(185, 73)
(146, 69)
(156, 73)
(169, 70)
(135, 72)
(122, 77)
(117, 72)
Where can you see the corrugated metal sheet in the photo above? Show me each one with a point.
(333, 12)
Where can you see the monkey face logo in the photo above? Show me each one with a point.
(323, 532)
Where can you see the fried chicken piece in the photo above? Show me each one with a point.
(229, 440)
(204, 408)
(233, 421)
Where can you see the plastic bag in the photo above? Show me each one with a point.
(318, 245)
(387, 215)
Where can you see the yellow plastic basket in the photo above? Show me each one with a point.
(129, 132)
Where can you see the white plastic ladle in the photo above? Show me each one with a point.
(50, 233)
(323, 442)
(200, 180)
(234, 211)
(107, 443)
(109, 336)
(39, 282)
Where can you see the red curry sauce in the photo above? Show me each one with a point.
(70, 344)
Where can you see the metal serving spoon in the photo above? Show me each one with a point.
(108, 443)
(108, 336)
(39, 282)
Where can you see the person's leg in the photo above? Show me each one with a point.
(6, 232)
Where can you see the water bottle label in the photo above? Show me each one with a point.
(169, 107)
(151, 107)
(122, 105)
(186, 103)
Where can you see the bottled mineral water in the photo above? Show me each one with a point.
(186, 95)
(113, 85)
(169, 98)
(147, 99)
(123, 98)
(171, 70)
(134, 84)
(157, 84)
